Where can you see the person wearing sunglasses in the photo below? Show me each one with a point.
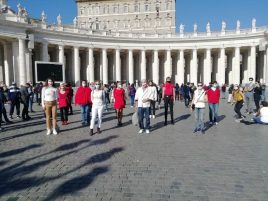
(98, 100)
(199, 100)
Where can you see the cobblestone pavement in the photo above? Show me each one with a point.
(229, 162)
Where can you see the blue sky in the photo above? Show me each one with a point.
(187, 12)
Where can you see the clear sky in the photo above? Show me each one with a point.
(187, 12)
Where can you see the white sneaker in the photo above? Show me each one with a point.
(210, 123)
(150, 116)
(147, 131)
(153, 116)
(141, 131)
(48, 131)
(55, 132)
(216, 123)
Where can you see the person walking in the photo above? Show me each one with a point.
(131, 93)
(2, 102)
(153, 89)
(186, 94)
(107, 96)
(63, 99)
(230, 94)
(257, 94)
(213, 95)
(238, 98)
(25, 100)
(143, 98)
(49, 104)
(177, 92)
(4, 90)
(169, 98)
(119, 102)
(31, 96)
(98, 100)
(199, 102)
(70, 92)
(83, 99)
(223, 91)
(14, 98)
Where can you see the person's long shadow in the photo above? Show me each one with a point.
(208, 126)
(20, 125)
(247, 122)
(19, 151)
(20, 135)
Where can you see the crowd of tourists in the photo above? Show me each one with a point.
(95, 98)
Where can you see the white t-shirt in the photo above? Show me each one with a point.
(142, 94)
(264, 114)
(97, 97)
(49, 94)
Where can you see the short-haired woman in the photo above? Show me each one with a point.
(49, 104)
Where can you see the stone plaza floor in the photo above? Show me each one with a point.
(228, 163)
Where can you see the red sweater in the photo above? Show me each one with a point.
(213, 96)
(63, 99)
(83, 96)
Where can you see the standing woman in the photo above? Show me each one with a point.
(98, 100)
(132, 92)
(238, 98)
(49, 104)
(153, 90)
(119, 102)
(63, 100)
(257, 93)
(199, 100)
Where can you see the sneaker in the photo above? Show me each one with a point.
(48, 131)
(216, 123)
(150, 116)
(210, 123)
(147, 131)
(18, 116)
(141, 131)
(153, 116)
(239, 120)
(10, 117)
(55, 132)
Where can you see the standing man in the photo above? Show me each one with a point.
(31, 96)
(186, 94)
(14, 98)
(169, 98)
(25, 100)
(249, 88)
(143, 99)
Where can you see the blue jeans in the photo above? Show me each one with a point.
(199, 118)
(143, 112)
(249, 101)
(84, 114)
(31, 103)
(257, 120)
(213, 112)
(132, 100)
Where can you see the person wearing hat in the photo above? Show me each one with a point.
(249, 89)
(169, 98)
(14, 97)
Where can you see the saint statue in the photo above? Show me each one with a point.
(43, 17)
(181, 28)
(253, 23)
(238, 25)
(208, 27)
(19, 10)
(75, 22)
(195, 28)
(59, 20)
(223, 26)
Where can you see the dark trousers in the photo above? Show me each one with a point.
(238, 107)
(186, 100)
(70, 107)
(168, 103)
(24, 113)
(64, 113)
(4, 114)
(152, 108)
(257, 104)
(13, 105)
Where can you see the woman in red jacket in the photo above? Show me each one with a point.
(213, 95)
(63, 103)
(83, 98)
(119, 102)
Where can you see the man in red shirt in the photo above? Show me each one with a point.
(169, 98)
(213, 94)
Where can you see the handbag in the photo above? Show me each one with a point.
(193, 105)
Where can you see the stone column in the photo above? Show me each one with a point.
(22, 62)
(62, 60)
(143, 64)
(6, 65)
(105, 66)
(266, 68)
(180, 67)
(236, 66)
(207, 67)
(90, 65)
(76, 66)
(221, 66)
(29, 69)
(45, 56)
(168, 64)
(156, 68)
(130, 67)
(118, 65)
(252, 70)
(193, 67)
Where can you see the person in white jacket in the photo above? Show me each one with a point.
(153, 89)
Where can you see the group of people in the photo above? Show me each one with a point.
(94, 98)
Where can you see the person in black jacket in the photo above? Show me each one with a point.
(4, 90)
(14, 98)
(2, 98)
(257, 93)
(25, 97)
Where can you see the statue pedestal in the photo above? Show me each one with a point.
(254, 30)
(44, 26)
